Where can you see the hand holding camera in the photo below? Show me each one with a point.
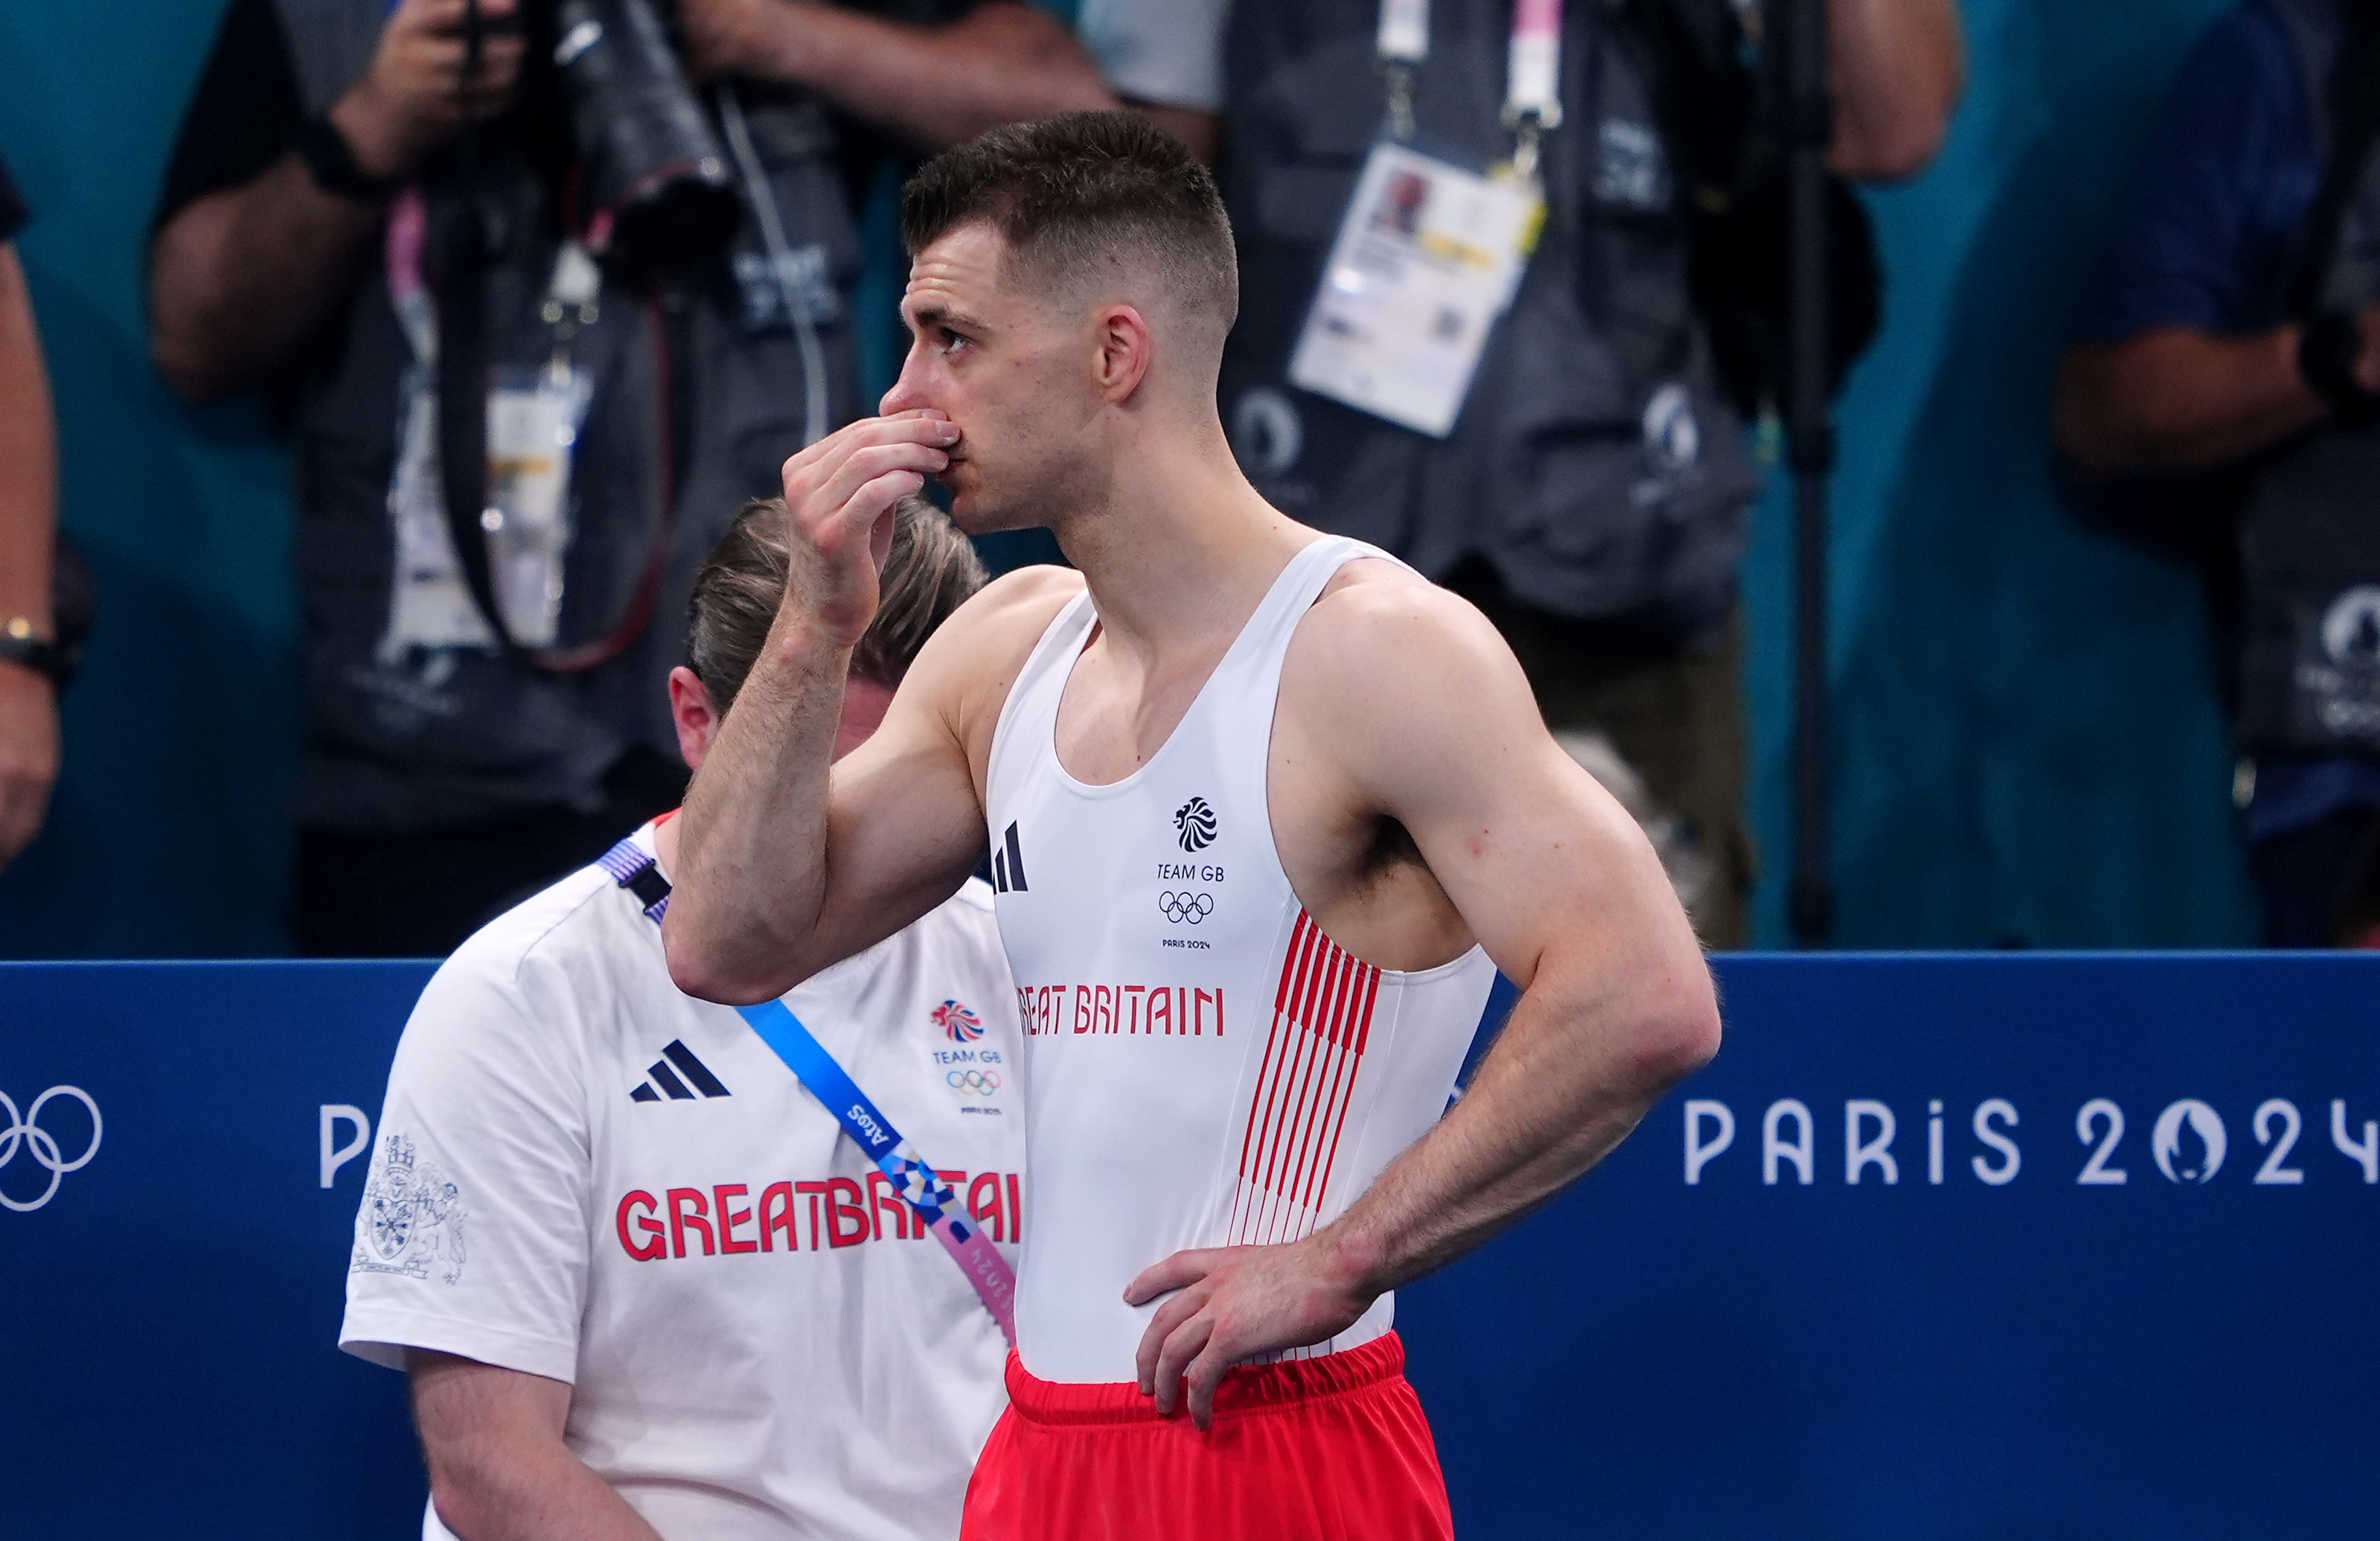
(424, 82)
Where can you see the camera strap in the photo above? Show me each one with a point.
(445, 584)
(914, 1177)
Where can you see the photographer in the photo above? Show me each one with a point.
(377, 214)
(1551, 434)
(2225, 375)
(29, 672)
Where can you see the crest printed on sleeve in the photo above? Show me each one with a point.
(411, 1220)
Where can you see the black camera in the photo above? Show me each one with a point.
(657, 189)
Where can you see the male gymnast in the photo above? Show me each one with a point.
(1261, 806)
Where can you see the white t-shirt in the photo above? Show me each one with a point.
(584, 1174)
(1166, 52)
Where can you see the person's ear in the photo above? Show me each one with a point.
(690, 710)
(1124, 349)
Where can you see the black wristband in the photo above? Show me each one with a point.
(18, 645)
(2328, 347)
(331, 161)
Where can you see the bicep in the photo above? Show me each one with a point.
(462, 1404)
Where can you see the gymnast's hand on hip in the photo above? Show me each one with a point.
(1234, 1304)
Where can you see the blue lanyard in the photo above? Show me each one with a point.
(913, 1178)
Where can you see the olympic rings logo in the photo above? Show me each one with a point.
(1185, 909)
(981, 1083)
(28, 1132)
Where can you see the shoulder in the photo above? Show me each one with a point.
(521, 976)
(1389, 675)
(967, 664)
(2243, 72)
(1376, 621)
(1027, 600)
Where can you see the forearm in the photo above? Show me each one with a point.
(752, 841)
(2175, 398)
(240, 278)
(499, 1469)
(933, 86)
(1895, 68)
(1569, 1079)
(529, 1490)
(28, 478)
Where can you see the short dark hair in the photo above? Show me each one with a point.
(932, 570)
(1067, 190)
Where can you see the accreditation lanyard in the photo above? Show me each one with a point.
(1532, 68)
(912, 1177)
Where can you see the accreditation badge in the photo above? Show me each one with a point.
(533, 421)
(1427, 256)
(534, 416)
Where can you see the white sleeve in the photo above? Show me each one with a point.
(1168, 52)
(472, 1235)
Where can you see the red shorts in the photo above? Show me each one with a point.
(1309, 1449)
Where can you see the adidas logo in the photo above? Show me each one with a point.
(673, 1083)
(1008, 866)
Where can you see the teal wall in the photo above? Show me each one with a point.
(2029, 750)
(165, 837)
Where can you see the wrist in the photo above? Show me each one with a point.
(25, 647)
(1354, 1262)
(373, 133)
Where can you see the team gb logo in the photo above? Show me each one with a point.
(963, 1025)
(1195, 821)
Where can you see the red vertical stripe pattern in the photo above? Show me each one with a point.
(1321, 1025)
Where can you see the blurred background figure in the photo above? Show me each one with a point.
(544, 289)
(1166, 58)
(32, 667)
(2227, 372)
(1590, 491)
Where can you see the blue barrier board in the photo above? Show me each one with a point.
(1950, 1247)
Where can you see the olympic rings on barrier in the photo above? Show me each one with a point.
(28, 1132)
(1186, 908)
(981, 1083)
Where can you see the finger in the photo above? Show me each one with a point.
(841, 486)
(1173, 1313)
(880, 495)
(806, 469)
(1182, 1267)
(1205, 1378)
(1182, 1347)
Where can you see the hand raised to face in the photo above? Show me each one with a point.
(839, 495)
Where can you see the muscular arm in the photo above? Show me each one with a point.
(29, 513)
(240, 279)
(1410, 698)
(783, 867)
(2176, 399)
(499, 1470)
(1002, 63)
(1895, 68)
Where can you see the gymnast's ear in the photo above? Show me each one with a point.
(690, 710)
(1122, 347)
